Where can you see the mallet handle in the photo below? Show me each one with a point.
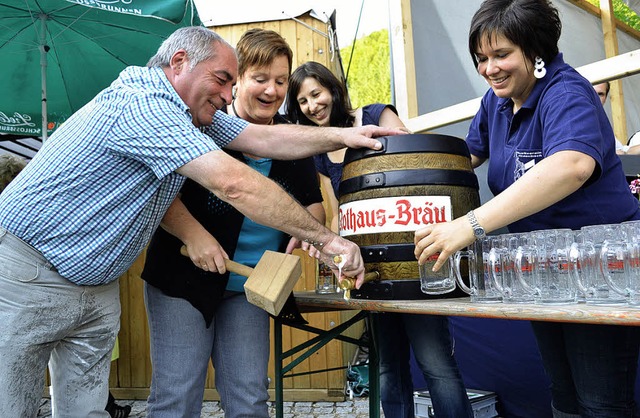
(231, 265)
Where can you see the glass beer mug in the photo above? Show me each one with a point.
(587, 267)
(436, 282)
(542, 264)
(481, 288)
(502, 258)
(620, 261)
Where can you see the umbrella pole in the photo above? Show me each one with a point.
(44, 48)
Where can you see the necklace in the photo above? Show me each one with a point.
(233, 107)
(235, 112)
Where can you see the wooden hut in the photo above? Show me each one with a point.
(310, 33)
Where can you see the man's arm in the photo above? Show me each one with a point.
(263, 201)
(289, 142)
(204, 250)
(317, 211)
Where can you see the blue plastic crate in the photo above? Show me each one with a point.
(483, 404)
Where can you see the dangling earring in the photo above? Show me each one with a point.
(539, 71)
(234, 92)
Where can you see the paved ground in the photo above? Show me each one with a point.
(357, 408)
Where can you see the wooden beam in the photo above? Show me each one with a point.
(578, 313)
(402, 58)
(620, 25)
(616, 95)
(613, 68)
(609, 69)
(443, 117)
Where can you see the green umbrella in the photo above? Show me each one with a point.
(58, 54)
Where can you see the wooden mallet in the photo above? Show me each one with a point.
(269, 284)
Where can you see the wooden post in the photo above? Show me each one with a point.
(616, 95)
(404, 69)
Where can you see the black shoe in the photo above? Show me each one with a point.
(115, 410)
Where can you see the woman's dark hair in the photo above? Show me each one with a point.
(341, 111)
(533, 25)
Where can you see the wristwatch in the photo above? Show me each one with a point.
(478, 231)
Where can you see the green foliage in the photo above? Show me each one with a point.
(622, 12)
(369, 74)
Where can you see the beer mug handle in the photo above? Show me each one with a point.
(527, 255)
(470, 254)
(577, 263)
(607, 262)
(496, 265)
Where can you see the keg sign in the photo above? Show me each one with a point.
(393, 214)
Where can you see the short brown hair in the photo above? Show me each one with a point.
(259, 47)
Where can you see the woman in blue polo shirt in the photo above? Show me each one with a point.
(552, 164)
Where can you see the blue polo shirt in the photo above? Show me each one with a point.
(563, 112)
(91, 198)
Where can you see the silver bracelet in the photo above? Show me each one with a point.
(316, 244)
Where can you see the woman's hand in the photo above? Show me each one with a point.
(444, 238)
(206, 253)
(304, 246)
(295, 243)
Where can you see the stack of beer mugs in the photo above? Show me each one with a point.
(598, 264)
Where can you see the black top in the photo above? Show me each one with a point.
(175, 275)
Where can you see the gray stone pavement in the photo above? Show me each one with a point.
(356, 408)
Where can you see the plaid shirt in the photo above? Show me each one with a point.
(91, 198)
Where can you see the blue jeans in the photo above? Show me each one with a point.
(429, 336)
(592, 367)
(46, 318)
(237, 342)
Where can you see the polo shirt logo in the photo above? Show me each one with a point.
(524, 161)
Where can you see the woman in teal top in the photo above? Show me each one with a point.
(195, 314)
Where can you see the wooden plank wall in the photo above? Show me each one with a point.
(307, 44)
(131, 373)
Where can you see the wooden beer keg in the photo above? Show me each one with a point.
(385, 195)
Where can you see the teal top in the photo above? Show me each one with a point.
(254, 238)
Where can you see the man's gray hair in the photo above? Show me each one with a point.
(10, 167)
(195, 40)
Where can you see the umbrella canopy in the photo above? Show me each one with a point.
(59, 54)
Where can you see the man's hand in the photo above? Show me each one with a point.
(350, 255)
(363, 137)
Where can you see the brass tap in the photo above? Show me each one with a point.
(349, 283)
